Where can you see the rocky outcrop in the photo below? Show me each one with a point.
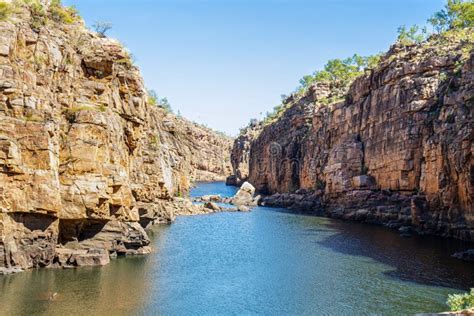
(398, 150)
(241, 153)
(85, 162)
(244, 198)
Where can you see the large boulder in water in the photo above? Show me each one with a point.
(245, 196)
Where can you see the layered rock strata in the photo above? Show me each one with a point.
(85, 162)
(398, 150)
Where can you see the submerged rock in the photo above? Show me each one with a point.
(467, 255)
(211, 198)
(212, 206)
(82, 257)
(406, 231)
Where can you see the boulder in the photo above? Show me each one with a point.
(212, 206)
(92, 259)
(68, 258)
(211, 198)
(245, 195)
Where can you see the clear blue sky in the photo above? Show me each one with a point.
(223, 62)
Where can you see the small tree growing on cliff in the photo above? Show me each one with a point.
(102, 28)
(60, 13)
(412, 35)
(154, 99)
(164, 103)
(456, 14)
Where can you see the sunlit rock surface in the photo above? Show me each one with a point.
(84, 159)
(398, 150)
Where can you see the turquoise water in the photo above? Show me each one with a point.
(268, 262)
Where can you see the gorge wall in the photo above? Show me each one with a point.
(397, 151)
(85, 161)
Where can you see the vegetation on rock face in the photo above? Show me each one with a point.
(338, 73)
(102, 28)
(154, 99)
(412, 35)
(341, 72)
(59, 13)
(452, 24)
(458, 302)
(456, 16)
(41, 15)
(5, 10)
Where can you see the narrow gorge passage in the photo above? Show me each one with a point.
(180, 181)
(241, 263)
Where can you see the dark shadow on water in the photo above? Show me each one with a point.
(422, 259)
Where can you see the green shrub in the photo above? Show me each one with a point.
(5, 10)
(62, 14)
(154, 139)
(456, 14)
(458, 302)
(127, 62)
(163, 103)
(341, 72)
(152, 97)
(38, 13)
(454, 24)
(411, 36)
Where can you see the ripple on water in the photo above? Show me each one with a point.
(267, 261)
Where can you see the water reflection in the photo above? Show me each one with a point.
(267, 261)
(122, 287)
(422, 259)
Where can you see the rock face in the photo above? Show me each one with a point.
(85, 162)
(241, 153)
(398, 150)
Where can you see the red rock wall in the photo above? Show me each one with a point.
(398, 150)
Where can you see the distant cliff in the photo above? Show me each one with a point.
(398, 150)
(84, 159)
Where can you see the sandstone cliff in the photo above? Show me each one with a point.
(398, 150)
(240, 154)
(84, 160)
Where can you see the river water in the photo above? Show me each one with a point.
(268, 261)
